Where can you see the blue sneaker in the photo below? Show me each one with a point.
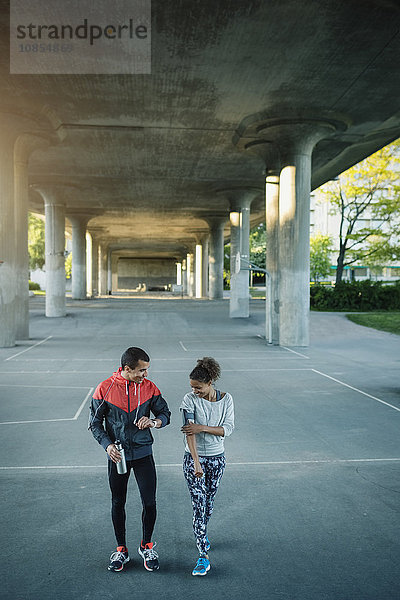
(208, 545)
(202, 566)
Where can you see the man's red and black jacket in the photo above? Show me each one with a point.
(117, 405)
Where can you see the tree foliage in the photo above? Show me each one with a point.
(258, 242)
(36, 242)
(367, 198)
(320, 251)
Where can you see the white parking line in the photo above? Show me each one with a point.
(294, 352)
(356, 389)
(80, 409)
(322, 461)
(74, 418)
(185, 349)
(30, 348)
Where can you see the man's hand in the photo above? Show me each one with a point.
(145, 423)
(113, 453)
(192, 429)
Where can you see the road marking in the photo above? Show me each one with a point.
(185, 349)
(261, 355)
(63, 387)
(294, 352)
(80, 409)
(356, 389)
(322, 461)
(74, 418)
(30, 348)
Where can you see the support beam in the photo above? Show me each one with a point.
(240, 200)
(216, 257)
(55, 258)
(25, 145)
(204, 263)
(272, 256)
(198, 271)
(79, 223)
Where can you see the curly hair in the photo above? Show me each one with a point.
(207, 369)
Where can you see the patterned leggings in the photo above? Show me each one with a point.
(202, 492)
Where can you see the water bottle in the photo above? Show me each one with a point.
(121, 465)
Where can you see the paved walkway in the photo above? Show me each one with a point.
(309, 505)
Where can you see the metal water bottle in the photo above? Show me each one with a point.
(121, 466)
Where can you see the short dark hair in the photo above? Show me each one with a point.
(132, 355)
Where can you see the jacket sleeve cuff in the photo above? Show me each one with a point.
(105, 442)
(163, 419)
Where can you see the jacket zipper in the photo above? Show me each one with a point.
(129, 412)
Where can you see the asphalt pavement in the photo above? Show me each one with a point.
(308, 507)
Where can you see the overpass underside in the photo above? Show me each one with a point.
(247, 107)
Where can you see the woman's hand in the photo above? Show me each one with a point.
(198, 471)
(192, 429)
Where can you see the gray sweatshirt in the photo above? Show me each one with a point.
(214, 414)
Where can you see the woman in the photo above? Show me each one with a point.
(208, 418)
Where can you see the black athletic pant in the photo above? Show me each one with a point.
(145, 474)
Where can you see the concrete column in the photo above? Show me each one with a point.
(25, 145)
(89, 264)
(54, 251)
(95, 266)
(8, 280)
(184, 277)
(286, 144)
(198, 276)
(78, 223)
(216, 258)
(190, 274)
(103, 262)
(114, 273)
(204, 263)
(272, 255)
(178, 273)
(109, 272)
(296, 141)
(240, 201)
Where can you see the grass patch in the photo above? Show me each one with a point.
(255, 293)
(384, 321)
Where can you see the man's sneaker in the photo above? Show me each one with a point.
(118, 559)
(150, 556)
(202, 566)
(208, 545)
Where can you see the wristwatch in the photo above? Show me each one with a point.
(155, 423)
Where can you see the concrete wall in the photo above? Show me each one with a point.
(153, 272)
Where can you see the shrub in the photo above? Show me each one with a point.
(33, 285)
(356, 295)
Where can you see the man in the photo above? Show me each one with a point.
(120, 410)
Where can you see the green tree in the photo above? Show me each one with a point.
(367, 198)
(258, 241)
(320, 251)
(36, 242)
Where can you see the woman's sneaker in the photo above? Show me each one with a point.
(118, 559)
(202, 566)
(150, 556)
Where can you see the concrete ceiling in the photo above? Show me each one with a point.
(147, 154)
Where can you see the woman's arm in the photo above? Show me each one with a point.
(192, 428)
(191, 442)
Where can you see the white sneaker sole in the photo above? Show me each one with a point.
(144, 562)
(195, 573)
(121, 569)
